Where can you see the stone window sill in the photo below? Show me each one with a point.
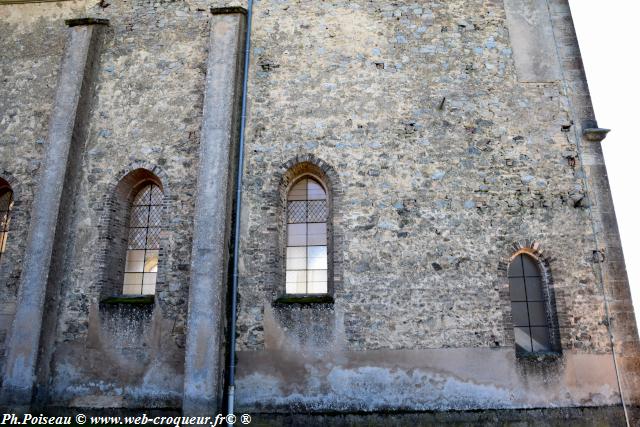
(541, 357)
(130, 300)
(25, 1)
(307, 299)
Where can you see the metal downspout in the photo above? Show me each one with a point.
(236, 237)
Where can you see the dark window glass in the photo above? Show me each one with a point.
(517, 289)
(529, 266)
(540, 339)
(534, 289)
(528, 306)
(523, 340)
(143, 244)
(537, 314)
(520, 316)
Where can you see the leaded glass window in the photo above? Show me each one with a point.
(528, 306)
(307, 213)
(6, 203)
(143, 245)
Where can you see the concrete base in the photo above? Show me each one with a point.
(608, 416)
(331, 380)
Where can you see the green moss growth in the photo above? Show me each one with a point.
(132, 300)
(84, 21)
(540, 357)
(305, 299)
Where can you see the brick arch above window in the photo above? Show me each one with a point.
(553, 300)
(139, 171)
(116, 220)
(307, 163)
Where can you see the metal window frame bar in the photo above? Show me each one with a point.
(529, 325)
(306, 217)
(146, 235)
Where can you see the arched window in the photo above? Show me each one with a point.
(307, 212)
(143, 245)
(529, 306)
(6, 203)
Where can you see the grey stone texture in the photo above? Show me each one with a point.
(144, 116)
(74, 86)
(532, 38)
(212, 216)
(609, 265)
(31, 56)
(446, 146)
(445, 158)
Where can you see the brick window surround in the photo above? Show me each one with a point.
(554, 302)
(115, 228)
(290, 173)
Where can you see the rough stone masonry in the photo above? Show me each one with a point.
(450, 135)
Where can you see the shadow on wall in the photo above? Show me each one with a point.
(130, 360)
(305, 367)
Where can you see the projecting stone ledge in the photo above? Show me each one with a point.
(227, 10)
(595, 134)
(85, 21)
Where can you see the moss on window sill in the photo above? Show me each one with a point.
(304, 299)
(540, 357)
(130, 299)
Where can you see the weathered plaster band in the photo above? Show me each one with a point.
(532, 40)
(23, 345)
(295, 374)
(333, 380)
(218, 144)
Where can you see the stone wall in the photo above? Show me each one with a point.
(449, 159)
(610, 266)
(446, 149)
(146, 113)
(32, 44)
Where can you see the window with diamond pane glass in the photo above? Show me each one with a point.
(6, 203)
(307, 213)
(528, 306)
(143, 244)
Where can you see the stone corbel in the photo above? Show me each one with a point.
(595, 134)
